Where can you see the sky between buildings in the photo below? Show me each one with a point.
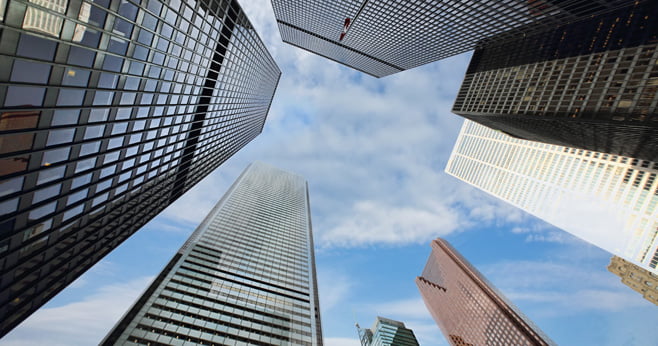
(373, 152)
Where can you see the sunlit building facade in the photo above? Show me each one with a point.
(382, 37)
(640, 280)
(387, 332)
(590, 84)
(109, 111)
(246, 276)
(608, 200)
(469, 310)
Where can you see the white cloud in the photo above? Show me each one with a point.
(85, 322)
(562, 289)
(404, 309)
(334, 287)
(373, 222)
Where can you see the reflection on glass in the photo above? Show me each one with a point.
(3, 4)
(42, 21)
(30, 72)
(11, 185)
(79, 33)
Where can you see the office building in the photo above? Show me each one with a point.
(607, 200)
(469, 310)
(387, 332)
(591, 84)
(640, 280)
(246, 276)
(382, 37)
(110, 111)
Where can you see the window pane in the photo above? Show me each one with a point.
(51, 174)
(80, 181)
(65, 117)
(75, 77)
(85, 165)
(45, 193)
(90, 148)
(42, 211)
(98, 114)
(11, 185)
(9, 206)
(24, 96)
(17, 142)
(30, 72)
(70, 97)
(94, 131)
(60, 136)
(56, 155)
(36, 47)
(81, 56)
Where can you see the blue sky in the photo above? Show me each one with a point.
(373, 151)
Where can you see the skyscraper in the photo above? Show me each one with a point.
(382, 37)
(387, 332)
(245, 276)
(111, 110)
(590, 84)
(607, 200)
(640, 280)
(467, 307)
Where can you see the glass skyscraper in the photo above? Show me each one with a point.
(469, 310)
(387, 332)
(608, 200)
(246, 276)
(110, 111)
(382, 37)
(590, 84)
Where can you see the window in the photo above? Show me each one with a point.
(75, 77)
(22, 96)
(90, 148)
(36, 47)
(53, 156)
(60, 136)
(30, 72)
(65, 117)
(70, 97)
(84, 165)
(51, 174)
(11, 185)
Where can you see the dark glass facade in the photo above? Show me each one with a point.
(110, 111)
(386, 36)
(591, 84)
(246, 276)
(469, 310)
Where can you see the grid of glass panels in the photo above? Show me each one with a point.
(111, 109)
(545, 179)
(245, 276)
(591, 84)
(406, 34)
(468, 308)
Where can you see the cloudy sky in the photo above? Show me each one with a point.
(373, 151)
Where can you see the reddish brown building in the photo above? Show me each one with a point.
(467, 308)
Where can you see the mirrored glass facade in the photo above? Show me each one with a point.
(608, 200)
(109, 111)
(591, 84)
(469, 310)
(387, 332)
(246, 276)
(386, 36)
